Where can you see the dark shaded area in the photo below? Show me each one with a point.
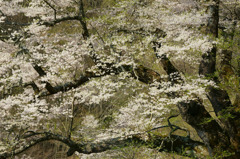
(13, 23)
(194, 113)
(173, 73)
(208, 63)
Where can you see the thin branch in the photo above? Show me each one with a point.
(72, 119)
(175, 128)
(82, 19)
(98, 33)
(56, 21)
(51, 6)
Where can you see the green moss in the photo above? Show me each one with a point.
(68, 27)
(70, 9)
(61, 42)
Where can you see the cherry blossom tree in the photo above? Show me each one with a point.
(101, 75)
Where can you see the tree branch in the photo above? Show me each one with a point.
(80, 17)
(45, 136)
(56, 21)
(141, 73)
(51, 6)
(152, 141)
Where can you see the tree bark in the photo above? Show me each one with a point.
(213, 20)
(208, 62)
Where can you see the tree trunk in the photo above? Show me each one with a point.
(213, 20)
(208, 62)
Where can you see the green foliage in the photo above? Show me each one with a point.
(206, 120)
(221, 155)
(137, 152)
(229, 40)
(222, 115)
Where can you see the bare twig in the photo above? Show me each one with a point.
(51, 6)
